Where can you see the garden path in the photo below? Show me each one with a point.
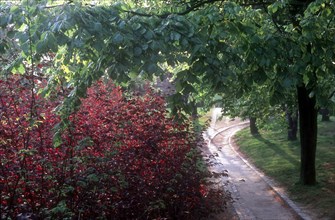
(255, 195)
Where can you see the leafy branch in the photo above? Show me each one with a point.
(194, 7)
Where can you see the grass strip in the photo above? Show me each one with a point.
(280, 159)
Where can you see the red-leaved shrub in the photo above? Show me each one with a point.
(120, 158)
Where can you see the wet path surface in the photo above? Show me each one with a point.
(253, 197)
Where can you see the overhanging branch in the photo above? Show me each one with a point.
(332, 94)
(193, 7)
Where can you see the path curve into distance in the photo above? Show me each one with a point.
(253, 197)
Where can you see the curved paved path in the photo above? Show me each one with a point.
(252, 194)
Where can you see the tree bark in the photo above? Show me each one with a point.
(325, 114)
(253, 126)
(292, 120)
(308, 135)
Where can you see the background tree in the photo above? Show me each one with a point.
(287, 42)
(289, 55)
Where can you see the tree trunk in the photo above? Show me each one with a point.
(308, 135)
(253, 126)
(194, 109)
(325, 114)
(292, 120)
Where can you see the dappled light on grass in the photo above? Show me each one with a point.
(279, 159)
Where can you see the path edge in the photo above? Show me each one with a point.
(299, 213)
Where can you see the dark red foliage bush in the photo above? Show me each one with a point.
(120, 158)
(27, 155)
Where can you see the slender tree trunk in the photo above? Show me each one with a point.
(292, 120)
(308, 135)
(195, 116)
(253, 126)
(194, 110)
(325, 114)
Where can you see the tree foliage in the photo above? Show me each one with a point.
(286, 45)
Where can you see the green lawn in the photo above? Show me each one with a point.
(280, 159)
